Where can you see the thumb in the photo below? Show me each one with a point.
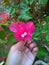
(20, 46)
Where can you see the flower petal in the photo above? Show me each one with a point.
(12, 28)
(20, 25)
(5, 15)
(30, 26)
(29, 36)
(18, 37)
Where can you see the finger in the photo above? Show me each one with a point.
(19, 46)
(29, 54)
(26, 50)
(28, 43)
(32, 45)
(34, 51)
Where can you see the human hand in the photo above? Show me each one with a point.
(22, 53)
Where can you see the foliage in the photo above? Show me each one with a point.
(42, 1)
(26, 10)
(47, 18)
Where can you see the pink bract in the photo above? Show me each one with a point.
(4, 15)
(1, 29)
(23, 31)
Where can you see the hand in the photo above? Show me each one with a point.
(22, 53)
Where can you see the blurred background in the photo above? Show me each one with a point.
(25, 10)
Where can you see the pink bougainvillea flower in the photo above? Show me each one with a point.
(4, 17)
(1, 29)
(23, 31)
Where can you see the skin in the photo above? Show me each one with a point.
(22, 53)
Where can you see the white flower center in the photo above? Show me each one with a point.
(24, 34)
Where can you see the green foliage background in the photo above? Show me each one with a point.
(28, 10)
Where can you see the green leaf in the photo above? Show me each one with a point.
(36, 39)
(42, 1)
(2, 34)
(7, 9)
(25, 16)
(41, 53)
(47, 18)
(11, 39)
(47, 37)
(29, 1)
(6, 29)
(10, 10)
(37, 34)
